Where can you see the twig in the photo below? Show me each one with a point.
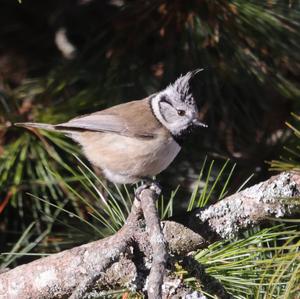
(156, 239)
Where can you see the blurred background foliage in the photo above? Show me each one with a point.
(59, 59)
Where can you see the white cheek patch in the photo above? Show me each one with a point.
(168, 113)
(156, 110)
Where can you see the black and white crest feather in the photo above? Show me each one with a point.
(182, 86)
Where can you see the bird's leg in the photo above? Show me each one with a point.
(148, 183)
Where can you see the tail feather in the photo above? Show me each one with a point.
(37, 125)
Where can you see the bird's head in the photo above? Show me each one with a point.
(175, 106)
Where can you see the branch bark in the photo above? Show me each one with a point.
(272, 198)
(111, 262)
(157, 242)
(117, 245)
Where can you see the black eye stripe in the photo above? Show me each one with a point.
(164, 99)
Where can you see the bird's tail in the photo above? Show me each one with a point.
(47, 127)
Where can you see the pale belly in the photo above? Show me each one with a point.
(125, 159)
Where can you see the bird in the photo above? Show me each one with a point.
(137, 140)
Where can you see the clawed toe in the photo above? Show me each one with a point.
(154, 186)
(140, 189)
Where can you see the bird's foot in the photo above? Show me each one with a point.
(152, 185)
(156, 187)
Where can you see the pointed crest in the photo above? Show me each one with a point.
(182, 85)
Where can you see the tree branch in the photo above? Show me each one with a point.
(111, 262)
(226, 218)
(157, 242)
(71, 271)
(117, 245)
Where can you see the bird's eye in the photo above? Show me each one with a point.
(181, 112)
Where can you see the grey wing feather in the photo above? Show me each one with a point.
(36, 125)
(102, 123)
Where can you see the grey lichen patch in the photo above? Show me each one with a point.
(46, 278)
(14, 289)
(281, 187)
(94, 258)
(223, 218)
(195, 295)
(147, 262)
(122, 273)
(174, 287)
(273, 197)
(249, 206)
(170, 286)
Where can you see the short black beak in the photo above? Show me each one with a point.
(198, 123)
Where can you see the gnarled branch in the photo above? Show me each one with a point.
(111, 262)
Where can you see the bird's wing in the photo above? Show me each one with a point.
(129, 119)
(102, 123)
